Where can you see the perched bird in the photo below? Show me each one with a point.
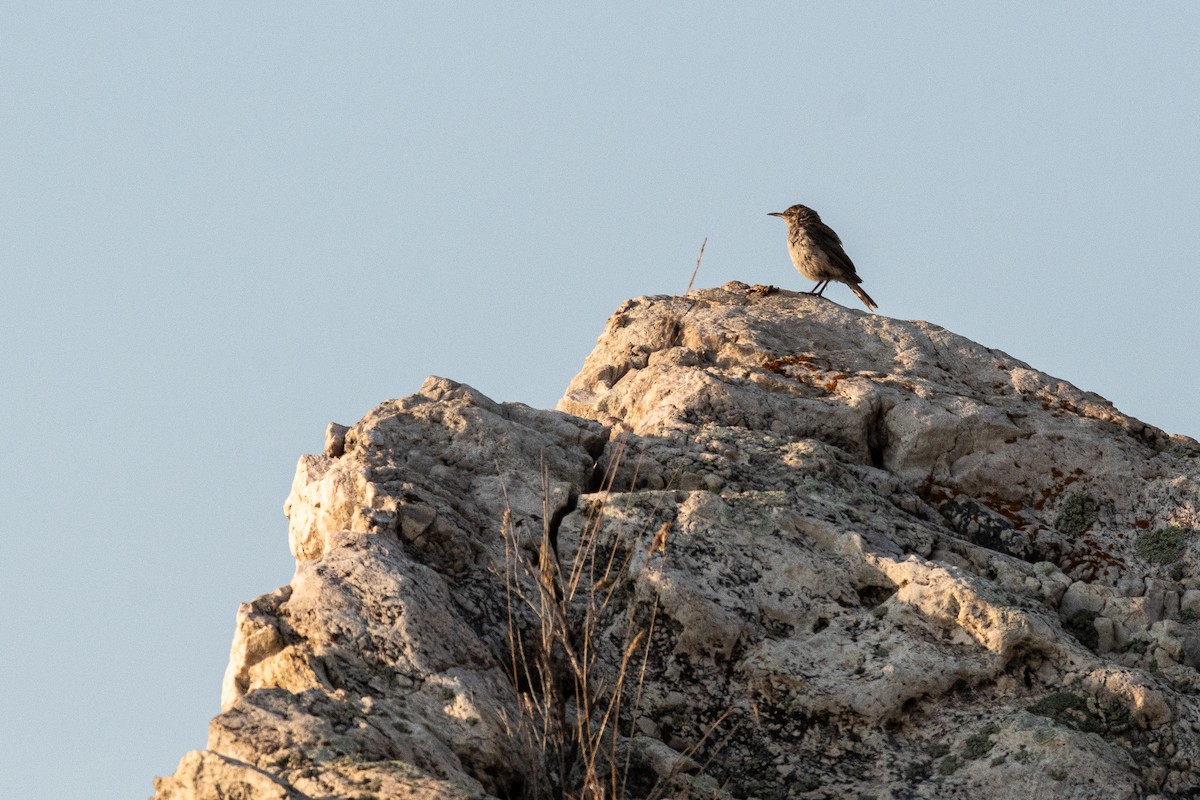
(817, 252)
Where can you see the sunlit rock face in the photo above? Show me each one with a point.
(767, 546)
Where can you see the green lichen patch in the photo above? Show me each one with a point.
(949, 765)
(1163, 545)
(1074, 711)
(1067, 708)
(978, 745)
(1078, 514)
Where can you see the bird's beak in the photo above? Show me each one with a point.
(774, 214)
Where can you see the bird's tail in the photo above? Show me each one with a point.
(866, 298)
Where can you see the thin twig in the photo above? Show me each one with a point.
(697, 269)
(663, 784)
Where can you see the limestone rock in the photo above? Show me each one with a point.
(335, 439)
(767, 547)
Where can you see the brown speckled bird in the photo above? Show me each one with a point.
(817, 252)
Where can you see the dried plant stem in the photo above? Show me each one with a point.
(697, 269)
(560, 613)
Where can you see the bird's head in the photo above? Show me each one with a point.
(797, 213)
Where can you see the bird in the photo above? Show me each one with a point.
(817, 253)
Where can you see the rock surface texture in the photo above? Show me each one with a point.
(767, 547)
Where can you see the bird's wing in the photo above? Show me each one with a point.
(827, 240)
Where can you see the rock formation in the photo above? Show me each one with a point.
(767, 547)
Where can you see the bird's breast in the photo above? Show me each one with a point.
(810, 260)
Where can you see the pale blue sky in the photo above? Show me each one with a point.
(224, 225)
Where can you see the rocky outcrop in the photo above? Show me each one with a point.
(767, 547)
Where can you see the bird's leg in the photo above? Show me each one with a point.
(819, 289)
